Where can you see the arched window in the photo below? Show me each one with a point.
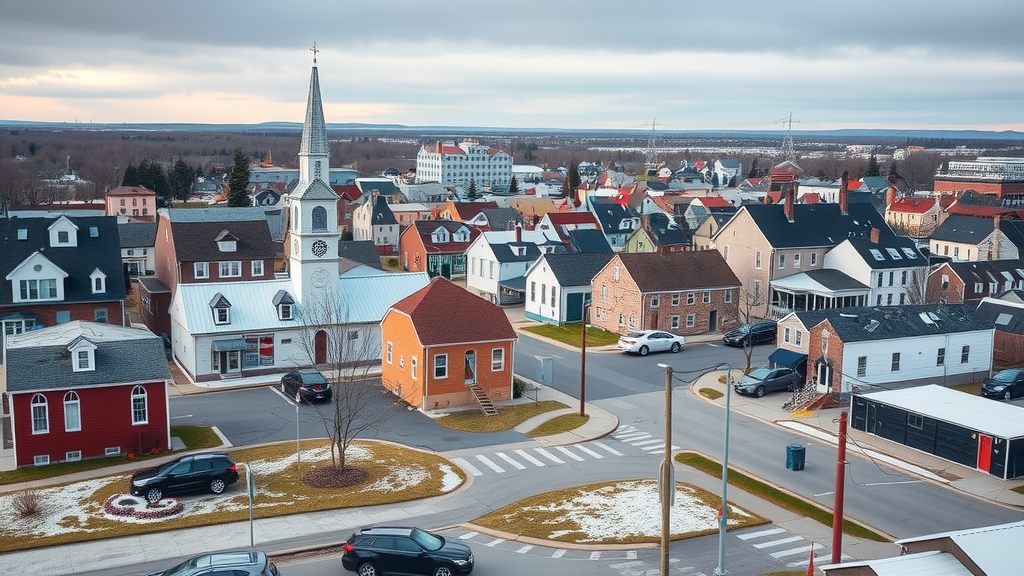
(319, 219)
(72, 412)
(40, 415)
(140, 408)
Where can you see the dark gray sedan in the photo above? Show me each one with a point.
(763, 380)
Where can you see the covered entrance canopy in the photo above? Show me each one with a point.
(232, 345)
(790, 359)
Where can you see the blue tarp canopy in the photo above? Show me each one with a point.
(787, 358)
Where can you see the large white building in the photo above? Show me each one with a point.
(458, 166)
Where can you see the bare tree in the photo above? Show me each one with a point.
(748, 302)
(918, 170)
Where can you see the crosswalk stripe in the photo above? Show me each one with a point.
(656, 448)
(487, 462)
(524, 549)
(624, 565)
(624, 428)
(468, 535)
(606, 448)
(632, 436)
(583, 448)
(778, 542)
(465, 464)
(595, 555)
(549, 455)
(760, 533)
(494, 542)
(630, 554)
(818, 560)
(529, 458)
(569, 453)
(509, 459)
(559, 553)
(658, 441)
(794, 551)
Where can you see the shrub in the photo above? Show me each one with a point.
(27, 503)
(517, 387)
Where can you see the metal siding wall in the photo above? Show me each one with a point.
(957, 444)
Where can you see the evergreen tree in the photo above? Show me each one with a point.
(472, 195)
(873, 168)
(513, 186)
(238, 181)
(571, 183)
(180, 178)
(893, 176)
(714, 179)
(753, 169)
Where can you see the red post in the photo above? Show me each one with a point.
(837, 507)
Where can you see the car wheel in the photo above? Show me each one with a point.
(790, 387)
(154, 495)
(644, 350)
(444, 570)
(366, 569)
(217, 485)
(759, 392)
(1007, 395)
(298, 397)
(676, 347)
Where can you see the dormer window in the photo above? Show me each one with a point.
(440, 236)
(521, 250)
(98, 280)
(62, 237)
(226, 242)
(83, 355)
(220, 307)
(63, 233)
(285, 305)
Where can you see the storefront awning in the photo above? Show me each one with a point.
(518, 284)
(229, 345)
(787, 358)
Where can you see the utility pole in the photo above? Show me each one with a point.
(583, 361)
(667, 480)
(837, 506)
(723, 519)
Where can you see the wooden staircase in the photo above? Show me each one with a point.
(801, 398)
(481, 398)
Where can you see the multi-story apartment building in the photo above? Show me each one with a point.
(468, 162)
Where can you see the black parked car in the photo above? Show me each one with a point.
(755, 333)
(383, 550)
(1007, 384)
(761, 380)
(241, 563)
(306, 386)
(213, 472)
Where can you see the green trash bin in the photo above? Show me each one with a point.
(795, 456)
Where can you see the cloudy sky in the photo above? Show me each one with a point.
(728, 64)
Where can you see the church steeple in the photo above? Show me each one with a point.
(315, 148)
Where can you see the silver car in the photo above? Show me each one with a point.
(647, 341)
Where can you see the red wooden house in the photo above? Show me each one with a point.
(444, 347)
(437, 247)
(85, 390)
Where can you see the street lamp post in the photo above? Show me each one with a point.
(723, 518)
(667, 476)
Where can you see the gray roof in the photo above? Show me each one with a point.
(137, 234)
(611, 214)
(993, 549)
(1007, 316)
(502, 218)
(382, 214)
(220, 214)
(359, 252)
(153, 284)
(988, 271)
(40, 359)
(314, 130)
(315, 190)
(834, 279)
(589, 241)
(364, 299)
(575, 268)
(878, 256)
(863, 323)
(816, 224)
(963, 229)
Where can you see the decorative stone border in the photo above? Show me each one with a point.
(127, 506)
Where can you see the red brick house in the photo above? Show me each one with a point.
(678, 292)
(348, 197)
(437, 247)
(445, 347)
(85, 390)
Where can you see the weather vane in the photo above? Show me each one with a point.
(314, 51)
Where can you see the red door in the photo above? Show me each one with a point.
(984, 452)
(320, 347)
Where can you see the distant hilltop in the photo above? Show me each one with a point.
(296, 127)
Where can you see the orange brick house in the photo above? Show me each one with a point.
(137, 203)
(442, 346)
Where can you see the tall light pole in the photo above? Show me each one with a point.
(583, 360)
(723, 518)
(667, 477)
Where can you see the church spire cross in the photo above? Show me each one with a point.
(314, 51)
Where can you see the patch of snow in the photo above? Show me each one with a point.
(61, 509)
(399, 479)
(450, 481)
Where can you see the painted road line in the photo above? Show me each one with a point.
(778, 542)
(559, 553)
(529, 458)
(656, 448)
(630, 554)
(468, 535)
(524, 549)
(549, 455)
(818, 560)
(646, 442)
(494, 542)
(794, 551)
(633, 436)
(487, 462)
(625, 565)
(569, 453)
(760, 533)
(583, 448)
(465, 464)
(606, 448)
(509, 459)
(595, 555)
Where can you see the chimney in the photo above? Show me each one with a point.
(790, 200)
(644, 219)
(890, 196)
(438, 147)
(996, 223)
(844, 194)
(519, 232)
(874, 235)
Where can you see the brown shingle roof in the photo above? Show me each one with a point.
(702, 269)
(444, 313)
(196, 241)
(131, 191)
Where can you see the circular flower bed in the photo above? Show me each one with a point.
(125, 506)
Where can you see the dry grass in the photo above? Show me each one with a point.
(508, 417)
(559, 424)
(572, 335)
(278, 494)
(970, 388)
(710, 393)
(196, 437)
(534, 516)
(26, 503)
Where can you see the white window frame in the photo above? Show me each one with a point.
(675, 299)
(139, 406)
(691, 320)
(112, 451)
(728, 296)
(757, 259)
(40, 403)
(41, 460)
(256, 267)
(201, 269)
(691, 298)
(73, 456)
(217, 315)
(655, 301)
(675, 321)
(782, 261)
(440, 368)
(389, 353)
(796, 260)
(705, 298)
(229, 269)
(72, 405)
(814, 259)
(497, 359)
(786, 335)
(413, 367)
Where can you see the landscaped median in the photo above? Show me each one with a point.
(100, 508)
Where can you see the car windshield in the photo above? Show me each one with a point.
(745, 329)
(183, 568)
(635, 335)
(1005, 376)
(166, 466)
(427, 540)
(760, 373)
(313, 378)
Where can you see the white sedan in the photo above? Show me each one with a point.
(647, 341)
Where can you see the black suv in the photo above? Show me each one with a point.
(1007, 384)
(306, 386)
(241, 563)
(755, 333)
(381, 551)
(192, 473)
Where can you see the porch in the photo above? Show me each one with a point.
(815, 290)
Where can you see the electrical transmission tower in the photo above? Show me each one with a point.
(788, 151)
(651, 155)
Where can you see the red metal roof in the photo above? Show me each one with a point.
(560, 218)
(912, 205)
(444, 313)
(348, 192)
(984, 211)
(714, 202)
